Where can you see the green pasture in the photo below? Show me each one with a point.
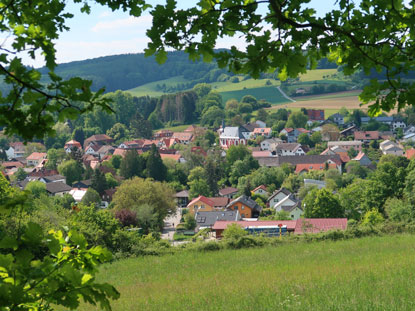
(317, 74)
(269, 93)
(374, 273)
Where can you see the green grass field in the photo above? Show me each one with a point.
(269, 93)
(317, 74)
(376, 273)
(150, 89)
(329, 96)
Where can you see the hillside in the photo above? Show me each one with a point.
(361, 274)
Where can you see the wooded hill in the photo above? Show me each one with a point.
(123, 72)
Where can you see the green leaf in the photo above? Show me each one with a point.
(9, 242)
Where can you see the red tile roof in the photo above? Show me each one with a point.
(175, 157)
(228, 190)
(223, 224)
(37, 156)
(73, 143)
(260, 187)
(203, 199)
(219, 201)
(410, 153)
(366, 135)
(314, 225)
(313, 167)
(359, 156)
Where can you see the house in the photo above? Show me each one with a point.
(363, 159)
(299, 226)
(35, 158)
(11, 164)
(278, 196)
(266, 132)
(346, 145)
(72, 144)
(77, 193)
(292, 134)
(132, 144)
(248, 129)
(230, 136)
(100, 139)
(220, 203)
(228, 192)
(16, 150)
(304, 163)
(338, 118)
(289, 149)
(260, 123)
(163, 134)
(393, 122)
(105, 150)
(108, 194)
(92, 149)
(182, 198)
(366, 136)
(221, 225)
(261, 190)
(410, 153)
(84, 184)
(295, 211)
(398, 124)
(270, 144)
(349, 131)
(315, 114)
(247, 207)
(184, 138)
(207, 219)
(390, 147)
(344, 157)
(169, 142)
(57, 188)
(261, 154)
(201, 203)
(53, 178)
(410, 137)
(409, 130)
(175, 157)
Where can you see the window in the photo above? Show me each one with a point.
(243, 215)
(242, 207)
(202, 206)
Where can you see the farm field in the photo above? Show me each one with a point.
(317, 74)
(375, 273)
(269, 93)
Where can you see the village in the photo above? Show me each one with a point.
(345, 144)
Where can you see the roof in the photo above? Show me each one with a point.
(208, 219)
(203, 199)
(73, 143)
(302, 130)
(182, 194)
(98, 137)
(247, 201)
(18, 146)
(260, 154)
(260, 187)
(232, 132)
(9, 164)
(315, 225)
(362, 135)
(83, 183)
(175, 157)
(265, 130)
(359, 156)
(56, 187)
(221, 225)
(272, 140)
(344, 143)
(191, 128)
(37, 156)
(288, 129)
(93, 147)
(294, 160)
(120, 151)
(289, 208)
(250, 127)
(53, 178)
(228, 190)
(337, 115)
(313, 167)
(219, 201)
(106, 149)
(77, 194)
(410, 153)
(282, 190)
(183, 136)
(288, 146)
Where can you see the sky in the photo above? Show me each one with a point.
(104, 33)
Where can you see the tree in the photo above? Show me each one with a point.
(79, 135)
(118, 132)
(116, 161)
(55, 156)
(297, 119)
(111, 181)
(36, 188)
(91, 197)
(99, 182)
(352, 153)
(131, 165)
(72, 170)
(322, 204)
(197, 183)
(155, 167)
(136, 192)
(316, 138)
(20, 174)
(141, 127)
(304, 139)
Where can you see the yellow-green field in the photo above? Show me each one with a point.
(317, 74)
(376, 273)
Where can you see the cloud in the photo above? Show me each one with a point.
(139, 23)
(105, 14)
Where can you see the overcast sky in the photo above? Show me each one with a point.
(105, 33)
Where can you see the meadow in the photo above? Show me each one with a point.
(372, 273)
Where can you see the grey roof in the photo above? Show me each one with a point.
(250, 127)
(289, 208)
(282, 190)
(379, 119)
(288, 146)
(232, 131)
(336, 115)
(56, 187)
(53, 178)
(246, 201)
(294, 160)
(228, 190)
(208, 219)
(182, 194)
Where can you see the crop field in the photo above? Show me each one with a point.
(375, 273)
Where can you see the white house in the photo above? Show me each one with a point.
(16, 150)
(270, 144)
(261, 190)
(390, 147)
(283, 200)
(278, 196)
(289, 149)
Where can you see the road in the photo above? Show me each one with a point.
(170, 224)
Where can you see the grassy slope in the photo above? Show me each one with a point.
(361, 274)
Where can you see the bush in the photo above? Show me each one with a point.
(234, 232)
(126, 217)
